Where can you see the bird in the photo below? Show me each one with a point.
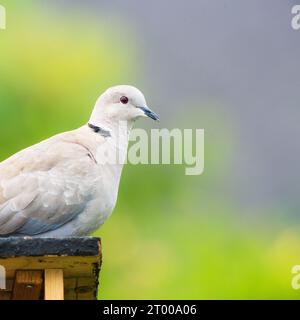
(62, 186)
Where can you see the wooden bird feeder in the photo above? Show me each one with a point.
(49, 268)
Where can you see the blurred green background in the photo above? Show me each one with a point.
(171, 236)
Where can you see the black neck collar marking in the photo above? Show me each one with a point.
(99, 130)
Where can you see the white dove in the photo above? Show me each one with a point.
(61, 186)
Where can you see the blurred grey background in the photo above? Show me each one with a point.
(240, 56)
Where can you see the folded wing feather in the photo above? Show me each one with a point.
(40, 189)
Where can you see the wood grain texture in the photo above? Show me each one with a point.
(54, 284)
(81, 268)
(28, 285)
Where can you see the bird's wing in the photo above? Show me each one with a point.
(44, 186)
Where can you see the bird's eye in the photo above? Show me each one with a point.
(124, 100)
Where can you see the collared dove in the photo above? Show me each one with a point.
(61, 186)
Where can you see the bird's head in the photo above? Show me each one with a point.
(121, 103)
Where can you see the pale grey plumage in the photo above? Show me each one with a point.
(47, 185)
(57, 187)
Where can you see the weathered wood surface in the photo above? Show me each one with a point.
(78, 258)
(28, 285)
(32, 247)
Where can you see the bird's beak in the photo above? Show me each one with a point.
(149, 113)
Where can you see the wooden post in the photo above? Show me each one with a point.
(54, 284)
(50, 268)
(28, 285)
